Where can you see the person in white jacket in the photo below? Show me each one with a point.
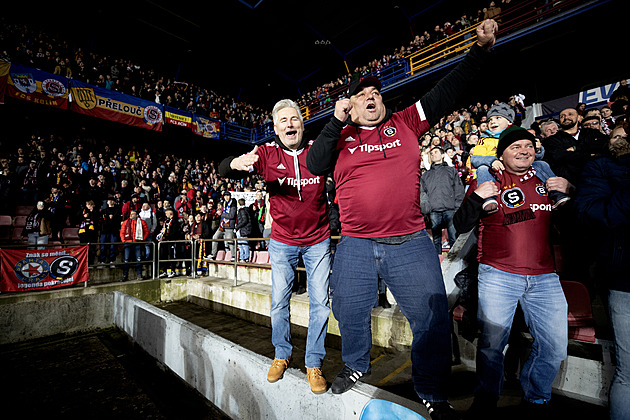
(150, 219)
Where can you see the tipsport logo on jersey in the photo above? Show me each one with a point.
(26, 270)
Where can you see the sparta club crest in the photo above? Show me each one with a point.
(31, 270)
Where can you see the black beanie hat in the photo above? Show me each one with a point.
(513, 134)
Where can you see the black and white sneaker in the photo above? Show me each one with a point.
(346, 380)
(441, 410)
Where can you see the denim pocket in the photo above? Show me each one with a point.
(484, 268)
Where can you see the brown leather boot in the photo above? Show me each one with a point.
(276, 371)
(316, 379)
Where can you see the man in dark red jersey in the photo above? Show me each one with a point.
(516, 266)
(375, 159)
(300, 226)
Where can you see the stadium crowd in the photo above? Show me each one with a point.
(99, 189)
(39, 49)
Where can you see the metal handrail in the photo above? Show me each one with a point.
(155, 257)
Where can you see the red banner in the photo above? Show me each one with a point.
(29, 269)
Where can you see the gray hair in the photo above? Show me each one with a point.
(285, 103)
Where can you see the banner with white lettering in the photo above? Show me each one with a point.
(114, 106)
(37, 86)
(27, 270)
(206, 127)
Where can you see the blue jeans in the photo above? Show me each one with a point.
(619, 307)
(106, 238)
(412, 273)
(243, 248)
(439, 221)
(147, 247)
(284, 261)
(135, 250)
(545, 310)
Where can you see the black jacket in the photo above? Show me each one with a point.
(591, 143)
(441, 189)
(243, 222)
(603, 200)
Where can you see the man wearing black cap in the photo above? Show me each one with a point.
(516, 266)
(375, 158)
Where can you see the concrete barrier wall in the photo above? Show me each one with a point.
(231, 377)
(29, 320)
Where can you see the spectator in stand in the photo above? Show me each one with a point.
(226, 226)
(603, 199)
(200, 231)
(379, 240)
(569, 149)
(608, 122)
(132, 205)
(149, 217)
(37, 227)
(258, 210)
(133, 230)
(30, 183)
(171, 231)
(243, 229)
(87, 229)
(593, 121)
(548, 128)
(508, 276)
(110, 220)
(441, 193)
(500, 119)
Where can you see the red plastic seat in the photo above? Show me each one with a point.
(262, 257)
(580, 314)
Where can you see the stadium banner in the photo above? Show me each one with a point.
(177, 117)
(206, 127)
(4, 75)
(37, 86)
(29, 269)
(114, 106)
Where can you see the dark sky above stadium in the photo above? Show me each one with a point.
(257, 50)
(264, 50)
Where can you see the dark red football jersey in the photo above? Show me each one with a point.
(297, 199)
(516, 238)
(377, 176)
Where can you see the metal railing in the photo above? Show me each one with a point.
(188, 254)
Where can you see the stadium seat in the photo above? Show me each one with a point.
(5, 227)
(23, 210)
(262, 257)
(580, 317)
(220, 255)
(70, 235)
(227, 256)
(19, 221)
(17, 235)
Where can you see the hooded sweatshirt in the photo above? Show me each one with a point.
(298, 204)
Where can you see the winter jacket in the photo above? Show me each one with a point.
(603, 200)
(243, 222)
(441, 189)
